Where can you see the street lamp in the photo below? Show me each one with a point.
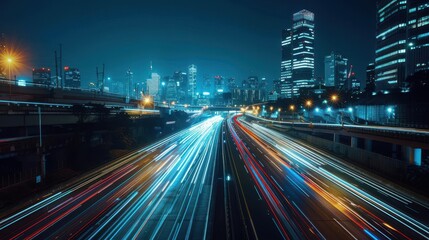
(308, 104)
(292, 109)
(335, 99)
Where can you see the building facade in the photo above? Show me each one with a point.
(391, 44)
(418, 36)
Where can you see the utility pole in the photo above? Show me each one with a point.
(56, 70)
(41, 150)
(61, 64)
(100, 79)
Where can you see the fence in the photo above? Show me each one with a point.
(375, 162)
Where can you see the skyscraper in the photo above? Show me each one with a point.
(335, 71)
(418, 36)
(286, 64)
(297, 67)
(391, 44)
(192, 83)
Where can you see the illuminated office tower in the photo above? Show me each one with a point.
(192, 83)
(391, 43)
(297, 66)
(418, 36)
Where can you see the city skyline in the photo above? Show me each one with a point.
(231, 45)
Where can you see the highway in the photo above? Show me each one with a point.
(288, 189)
(163, 191)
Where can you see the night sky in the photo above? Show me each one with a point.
(235, 38)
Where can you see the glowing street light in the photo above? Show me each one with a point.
(334, 98)
(292, 107)
(308, 103)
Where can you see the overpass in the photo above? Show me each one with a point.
(411, 139)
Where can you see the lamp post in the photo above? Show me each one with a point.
(292, 109)
(146, 100)
(335, 99)
(308, 104)
(9, 63)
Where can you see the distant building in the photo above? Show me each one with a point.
(163, 88)
(71, 78)
(252, 82)
(277, 86)
(181, 79)
(418, 36)
(171, 89)
(370, 78)
(42, 76)
(263, 87)
(129, 84)
(153, 86)
(335, 71)
(192, 83)
(218, 85)
(297, 67)
(273, 96)
(246, 96)
(231, 84)
(354, 84)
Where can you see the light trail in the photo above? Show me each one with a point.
(373, 210)
(157, 191)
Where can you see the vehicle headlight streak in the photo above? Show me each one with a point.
(316, 162)
(122, 199)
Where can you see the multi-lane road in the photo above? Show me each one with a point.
(163, 191)
(309, 194)
(222, 179)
